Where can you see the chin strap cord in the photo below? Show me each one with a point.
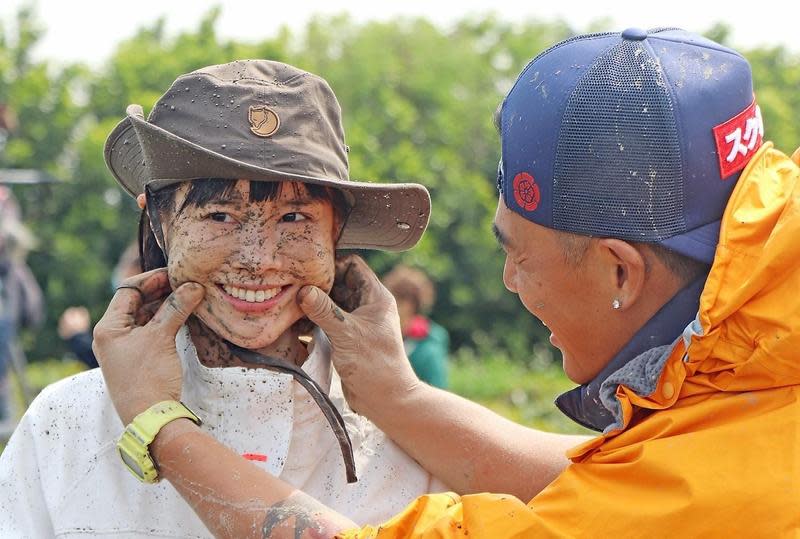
(155, 221)
(328, 409)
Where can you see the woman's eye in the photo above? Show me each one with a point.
(220, 217)
(293, 217)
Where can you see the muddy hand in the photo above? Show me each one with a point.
(135, 341)
(364, 330)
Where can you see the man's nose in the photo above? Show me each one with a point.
(509, 276)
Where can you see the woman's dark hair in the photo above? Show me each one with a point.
(206, 190)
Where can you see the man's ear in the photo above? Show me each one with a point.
(627, 271)
(141, 201)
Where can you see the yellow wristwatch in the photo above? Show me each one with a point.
(134, 444)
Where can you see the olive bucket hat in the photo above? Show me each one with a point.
(261, 120)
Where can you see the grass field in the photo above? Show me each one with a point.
(522, 393)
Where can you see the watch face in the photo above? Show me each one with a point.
(132, 464)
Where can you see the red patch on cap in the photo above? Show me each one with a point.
(738, 139)
(255, 456)
(526, 191)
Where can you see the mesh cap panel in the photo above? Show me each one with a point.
(629, 135)
(618, 169)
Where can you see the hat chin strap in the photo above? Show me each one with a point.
(155, 221)
(323, 401)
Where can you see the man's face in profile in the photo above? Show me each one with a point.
(564, 296)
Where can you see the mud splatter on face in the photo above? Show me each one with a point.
(252, 257)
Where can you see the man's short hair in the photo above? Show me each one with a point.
(685, 269)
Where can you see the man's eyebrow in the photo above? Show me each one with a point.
(499, 236)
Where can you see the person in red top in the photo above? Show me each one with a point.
(426, 342)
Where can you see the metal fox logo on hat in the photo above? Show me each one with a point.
(263, 120)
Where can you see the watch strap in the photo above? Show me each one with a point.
(148, 424)
(134, 444)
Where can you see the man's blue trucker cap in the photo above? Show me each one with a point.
(638, 135)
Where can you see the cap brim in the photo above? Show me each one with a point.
(699, 244)
(390, 216)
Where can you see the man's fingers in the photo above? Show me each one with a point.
(320, 309)
(136, 291)
(353, 271)
(178, 306)
(356, 284)
(152, 284)
(146, 312)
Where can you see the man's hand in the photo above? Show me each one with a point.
(135, 341)
(364, 333)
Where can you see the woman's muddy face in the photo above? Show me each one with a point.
(252, 258)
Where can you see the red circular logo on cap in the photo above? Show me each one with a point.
(526, 192)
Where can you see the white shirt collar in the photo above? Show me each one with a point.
(252, 410)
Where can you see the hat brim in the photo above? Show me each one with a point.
(390, 216)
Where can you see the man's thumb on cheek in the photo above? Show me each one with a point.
(319, 307)
(190, 295)
(180, 304)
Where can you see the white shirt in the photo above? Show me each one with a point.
(61, 475)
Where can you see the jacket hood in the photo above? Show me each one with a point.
(750, 307)
(747, 330)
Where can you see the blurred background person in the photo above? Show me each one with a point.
(74, 328)
(75, 325)
(426, 342)
(21, 300)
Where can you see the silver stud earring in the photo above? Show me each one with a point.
(615, 304)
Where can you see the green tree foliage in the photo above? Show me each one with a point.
(65, 114)
(418, 105)
(418, 101)
(44, 100)
(777, 81)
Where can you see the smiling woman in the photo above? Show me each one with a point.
(252, 245)
(241, 171)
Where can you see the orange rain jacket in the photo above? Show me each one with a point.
(720, 457)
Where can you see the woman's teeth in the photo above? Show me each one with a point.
(251, 296)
